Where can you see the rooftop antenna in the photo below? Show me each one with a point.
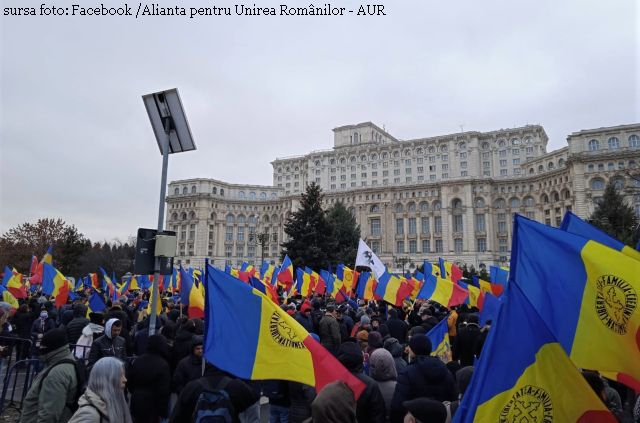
(462, 127)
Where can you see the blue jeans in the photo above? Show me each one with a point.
(278, 414)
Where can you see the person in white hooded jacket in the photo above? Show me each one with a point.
(89, 333)
(108, 345)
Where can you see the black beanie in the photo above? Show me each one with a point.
(426, 410)
(350, 355)
(53, 340)
(420, 345)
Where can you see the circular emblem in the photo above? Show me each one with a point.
(284, 334)
(616, 301)
(530, 404)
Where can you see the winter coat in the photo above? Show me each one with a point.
(329, 331)
(335, 404)
(188, 369)
(23, 323)
(398, 329)
(383, 370)
(182, 345)
(40, 328)
(241, 396)
(305, 321)
(370, 406)
(424, 377)
(74, 329)
(396, 351)
(301, 397)
(47, 399)
(466, 343)
(106, 347)
(91, 409)
(90, 333)
(149, 381)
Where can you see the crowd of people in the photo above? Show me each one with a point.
(105, 367)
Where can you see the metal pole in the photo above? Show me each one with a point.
(163, 193)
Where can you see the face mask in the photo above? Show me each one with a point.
(44, 315)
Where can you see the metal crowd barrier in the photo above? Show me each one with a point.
(17, 383)
(21, 348)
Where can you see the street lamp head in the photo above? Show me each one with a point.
(168, 118)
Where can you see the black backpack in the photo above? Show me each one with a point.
(81, 379)
(214, 404)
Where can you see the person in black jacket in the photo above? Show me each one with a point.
(79, 321)
(111, 344)
(23, 321)
(425, 376)
(370, 406)
(397, 328)
(466, 340)
(149, 382)
(241, 395)
(189, 368)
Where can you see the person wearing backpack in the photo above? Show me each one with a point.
(103, 401)
(215, 395)
(53, 394)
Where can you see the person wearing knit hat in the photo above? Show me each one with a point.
(363, 324)
(370, 406)
(424, 377)
(54, 389)
(425, 410)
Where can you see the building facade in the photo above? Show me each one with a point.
(450, 196)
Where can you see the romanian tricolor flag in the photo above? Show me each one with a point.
(285, 277)
(450, 271)
(432, 270)
(186, 279)
(304, 284)
(524, 375)
(96, 303)
(442, 291)
(13, 282)
(133, 283)
(393, 289)
(367, 284)
(573, 224)
(111, 288)
(55, 284)
(196, 301)
(347, 277)
(268, 290)
(499, 275)
(263, 342)
(587, 294)
(48, 256)
(476, 295)
(37, 272)
(490, 308)
(488, 287)
(415, 283)
(266, 272)
(440, 344)
(8, 297)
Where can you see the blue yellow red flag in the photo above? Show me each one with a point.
(187, 282)
(8, 297)
(393, 289)
(96, 303)
(366, 286)
(524, 375)
(196, 301)
(476, 295)
(587, 294)
(55, 284)
(48, 256)
(498, 275)
(348, 278)
(285, 277)
(13, 282)
(440, 343)
(573, 224)
(442, 291)
(490, 308)
(450, 271)
(263, 342)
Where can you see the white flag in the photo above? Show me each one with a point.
(368, 258)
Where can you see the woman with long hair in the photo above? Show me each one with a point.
(104, 401)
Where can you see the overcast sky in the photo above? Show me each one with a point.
(76, 142)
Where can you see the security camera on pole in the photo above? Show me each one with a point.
(173, 135)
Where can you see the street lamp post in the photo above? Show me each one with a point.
(173, 135)
(402, 261)
(263, 238)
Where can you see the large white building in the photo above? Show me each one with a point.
(450, 196)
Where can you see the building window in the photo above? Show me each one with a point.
(192, 232)
(457, 245)
(614, 143)
(503, 162)
(400, 247)
(228, 251)
(251, 251)
(437, 224)
(228, 235)
(480, 223)
(502, 223)
(425, 225)
(400, 226)
(426, 245)
(481, 245)
(516, 161)
(502, 245)
(439, 248)
(594, 145)
(413, 246)
(412, 226)
(375, 227)
(457, 223)
(375, 246)
(634, 141)
(597, 184)
(240, 233)
(515, 152)
(503, 172)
